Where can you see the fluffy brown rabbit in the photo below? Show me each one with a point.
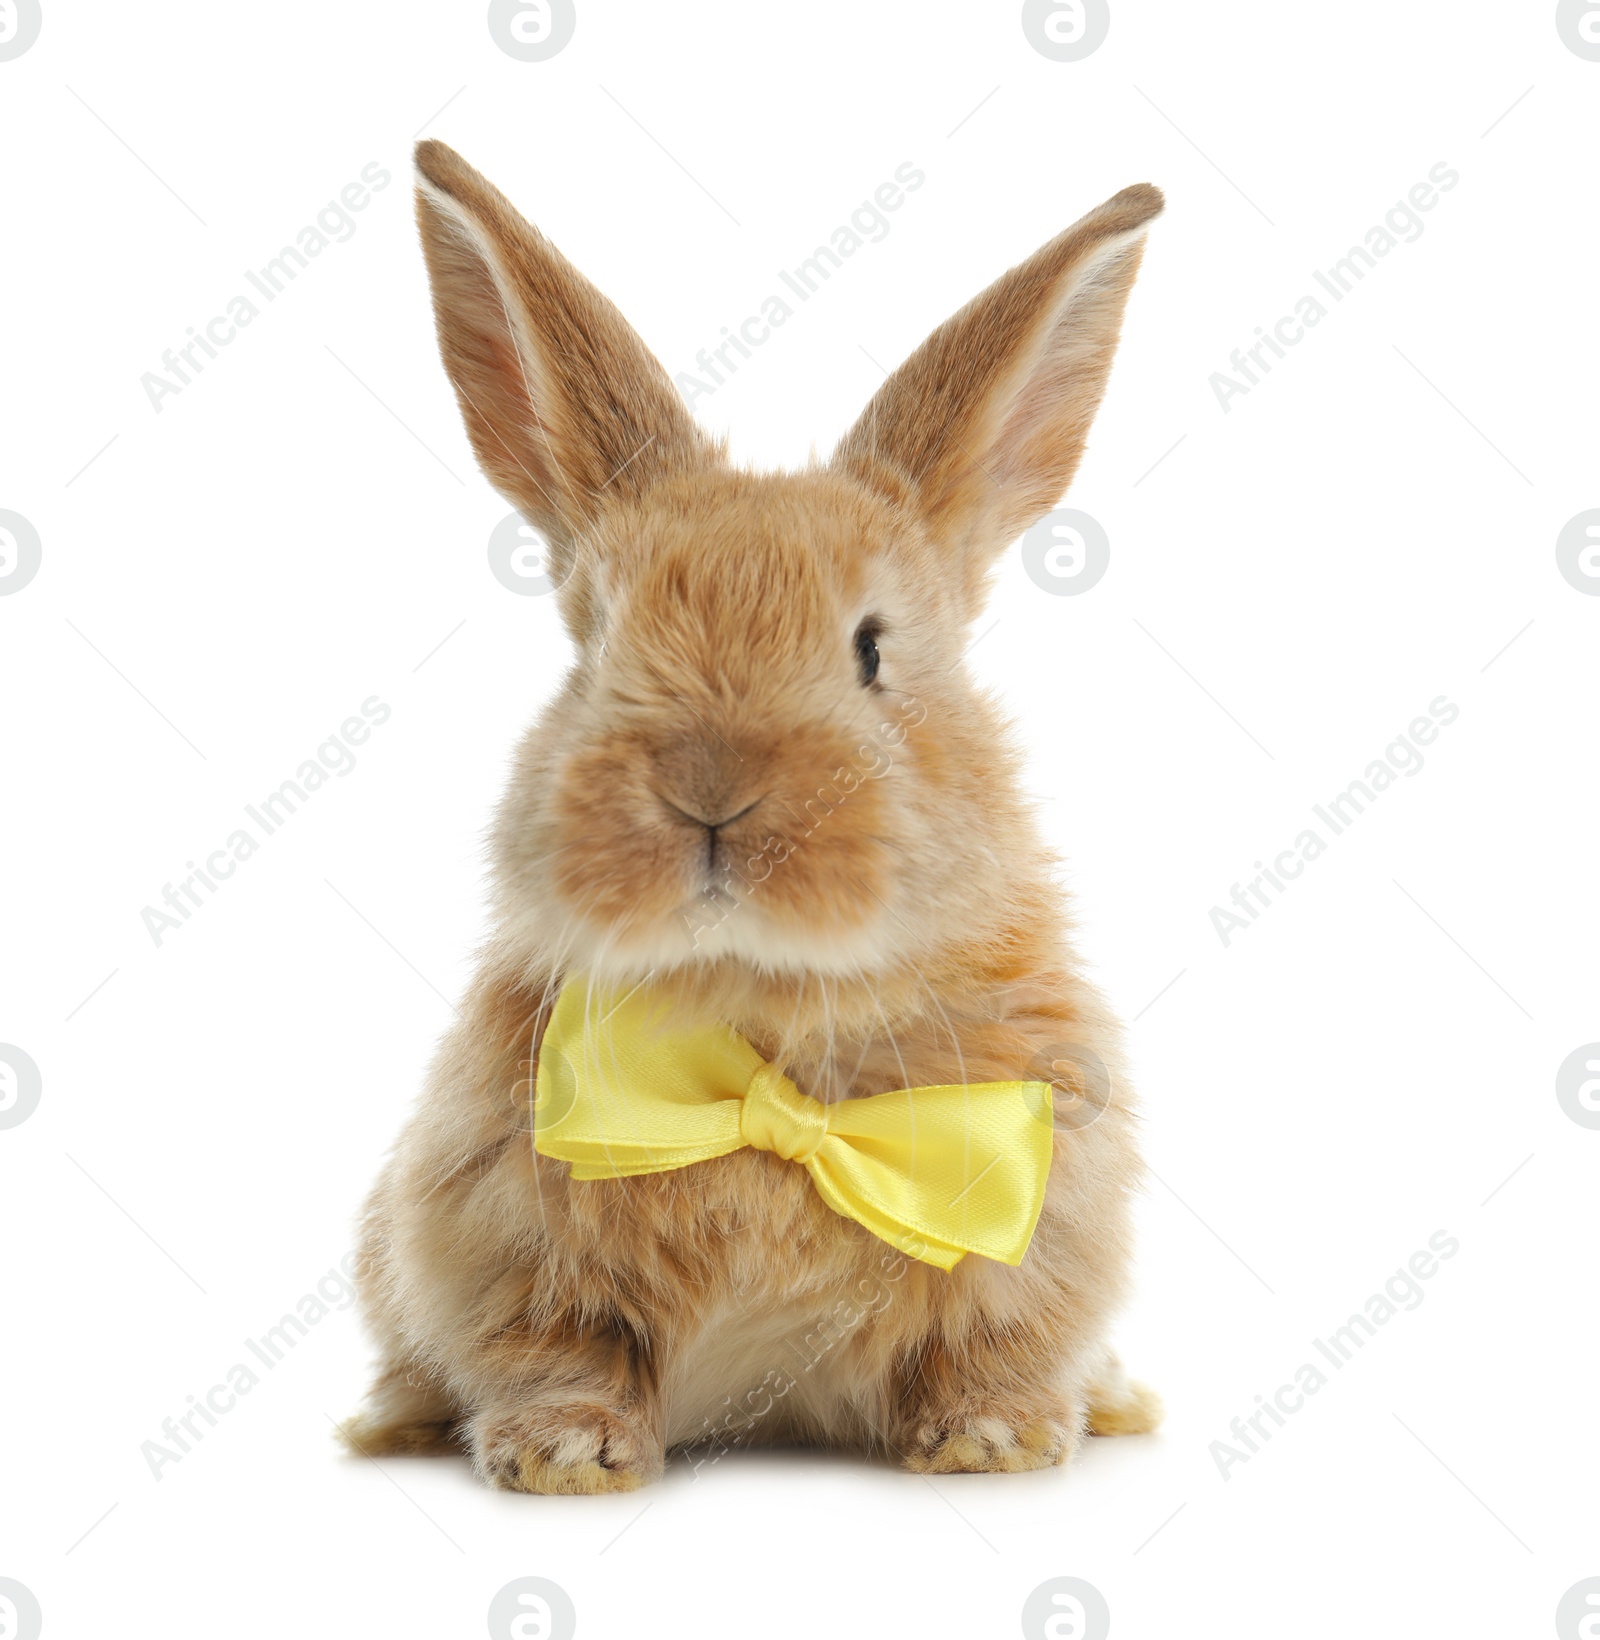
(770, 789)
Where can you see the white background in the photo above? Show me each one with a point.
(1366, 530)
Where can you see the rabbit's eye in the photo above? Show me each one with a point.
(867, 651)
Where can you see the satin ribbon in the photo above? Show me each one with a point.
(938, 1172)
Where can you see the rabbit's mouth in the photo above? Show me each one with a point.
(743, 905)
(727, 922)
(717, 846)
(766, 885)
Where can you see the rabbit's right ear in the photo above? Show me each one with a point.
(565, 405)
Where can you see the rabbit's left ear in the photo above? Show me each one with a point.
(985, 423)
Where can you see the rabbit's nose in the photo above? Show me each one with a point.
(696, 813)
(706, 782)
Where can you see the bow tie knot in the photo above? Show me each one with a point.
(777, 1116)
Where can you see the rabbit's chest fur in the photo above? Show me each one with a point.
(786, 1321)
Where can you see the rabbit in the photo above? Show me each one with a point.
(770, 788)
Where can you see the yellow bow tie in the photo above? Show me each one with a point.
(937, 1172)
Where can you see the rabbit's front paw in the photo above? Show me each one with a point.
(987, 1441)
(580, 1448)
